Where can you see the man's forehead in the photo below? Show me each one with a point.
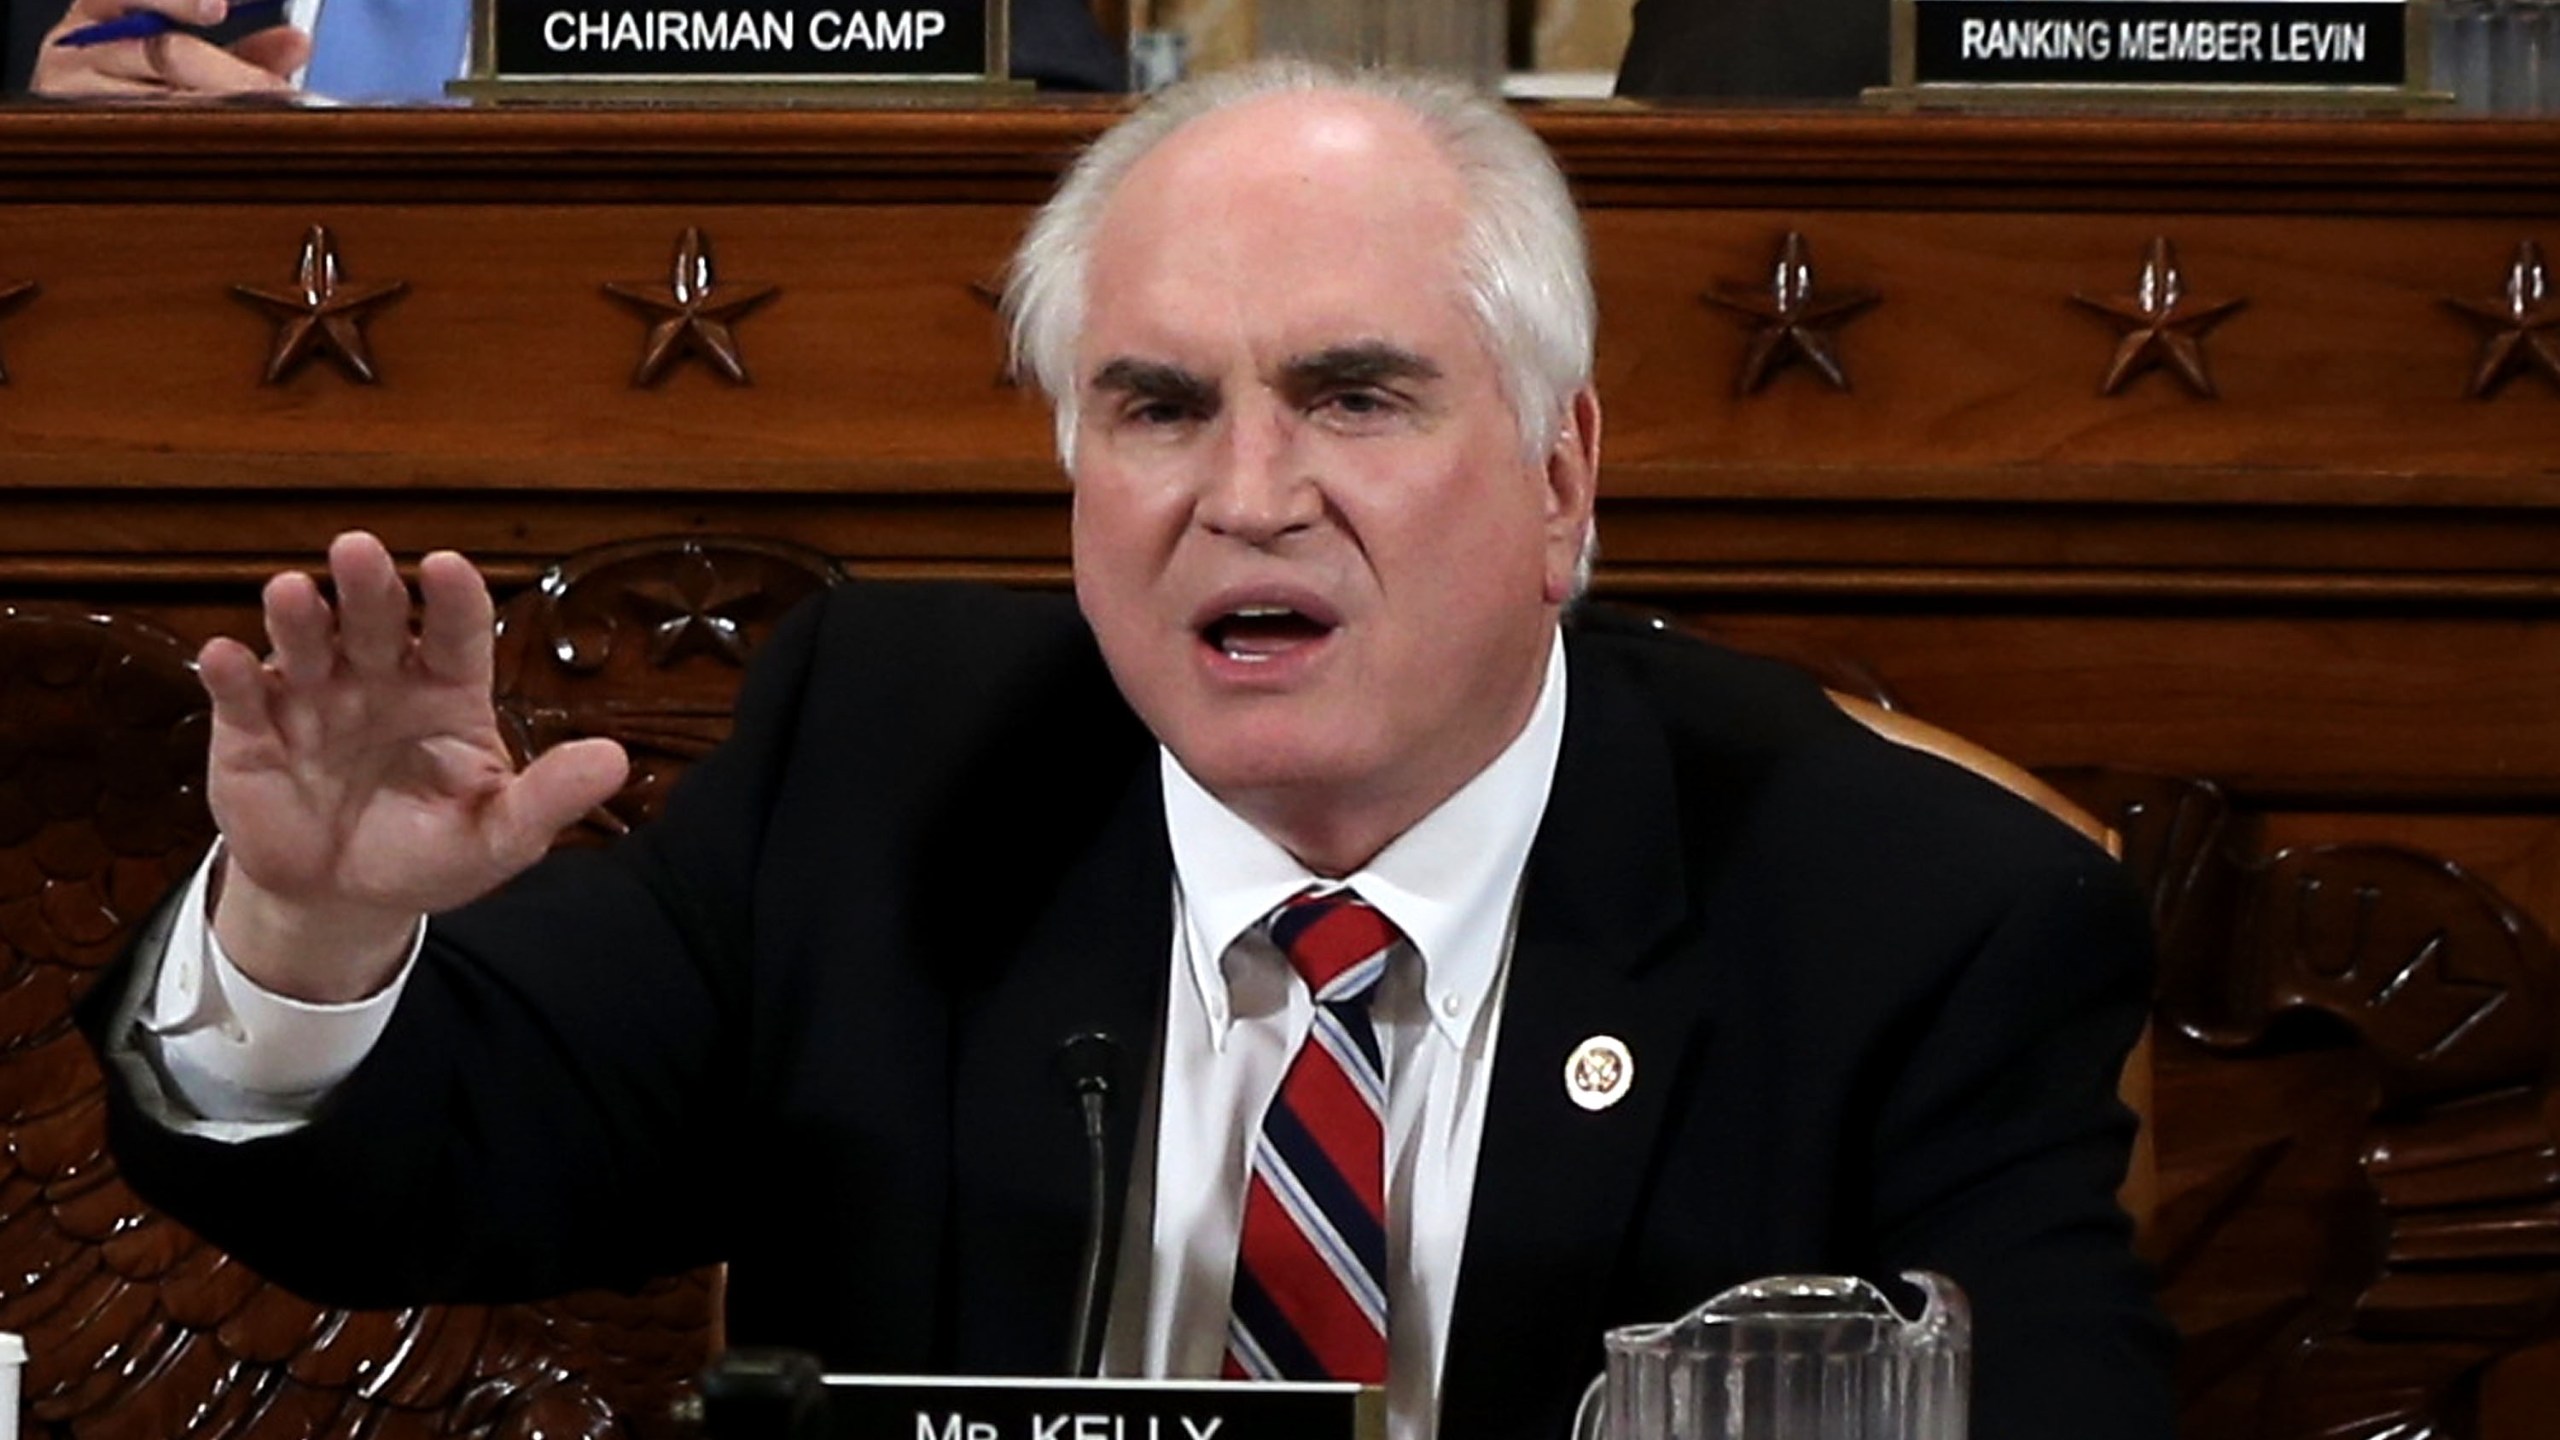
(1311, 222)
(1328, 127)
(1279, 158)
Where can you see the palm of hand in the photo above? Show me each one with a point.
(383, 791)
(358, 774)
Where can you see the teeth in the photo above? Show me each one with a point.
(1239, 635)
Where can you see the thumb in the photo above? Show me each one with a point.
(563, 783)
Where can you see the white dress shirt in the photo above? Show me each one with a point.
(245, 1062)
(1235, 1014)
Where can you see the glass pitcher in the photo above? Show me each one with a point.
(1792, 1357)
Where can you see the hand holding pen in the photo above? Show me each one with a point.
(143, 24)
(141, 48)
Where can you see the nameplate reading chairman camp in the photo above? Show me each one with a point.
(2252, 44)
(604, 39)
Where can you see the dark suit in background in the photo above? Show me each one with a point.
(1057, 43)
(1760, 49)
(27, 20)
(807, 1024)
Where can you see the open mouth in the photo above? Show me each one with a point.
(1254, 634)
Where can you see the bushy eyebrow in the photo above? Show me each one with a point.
(1365, 362)
(1155, 381)
(1360, 363)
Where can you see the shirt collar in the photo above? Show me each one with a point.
(1450, 883)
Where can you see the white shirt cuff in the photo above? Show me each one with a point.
(239, 1061)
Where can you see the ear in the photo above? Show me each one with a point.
(1572, 482)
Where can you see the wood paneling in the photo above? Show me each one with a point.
(2418, 710)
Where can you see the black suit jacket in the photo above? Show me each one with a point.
(1764, 49)
(808, 1025)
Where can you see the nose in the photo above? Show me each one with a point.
(1259, 488)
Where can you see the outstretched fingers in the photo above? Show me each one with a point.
(457, 628)
(237, 680)
(301, 630)
(373, 606)
(366, 775)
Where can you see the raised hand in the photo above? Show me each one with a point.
(359, 776)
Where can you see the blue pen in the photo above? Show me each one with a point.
(143, 24)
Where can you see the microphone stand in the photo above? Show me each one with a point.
(1087, 1061)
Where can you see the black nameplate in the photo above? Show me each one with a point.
(970, 1408)
(2282, 44)
(740, 39)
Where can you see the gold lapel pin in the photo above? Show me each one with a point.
(1599, 1072)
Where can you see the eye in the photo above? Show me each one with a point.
(1361, 403)
(1158, 413)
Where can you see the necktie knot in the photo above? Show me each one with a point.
(1337, 942)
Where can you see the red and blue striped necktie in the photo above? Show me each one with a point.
(1310, 1297)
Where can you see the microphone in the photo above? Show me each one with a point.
(1087, 1062)
(762, 1394)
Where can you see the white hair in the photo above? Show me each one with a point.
(1526, 273)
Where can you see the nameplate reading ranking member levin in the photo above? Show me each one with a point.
(583, 39)
(2253, 43)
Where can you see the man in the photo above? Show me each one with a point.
(1659, 974)
(399, 51)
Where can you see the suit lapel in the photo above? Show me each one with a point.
(1093, 961)
(1557, 1184)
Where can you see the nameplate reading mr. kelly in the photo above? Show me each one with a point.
(965, 1408)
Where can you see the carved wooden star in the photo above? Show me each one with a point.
(697, 609)
(322, 314)
(2160, 323)
(1794, 319)
(2523, 324)
(12, 295)
(687, 318)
